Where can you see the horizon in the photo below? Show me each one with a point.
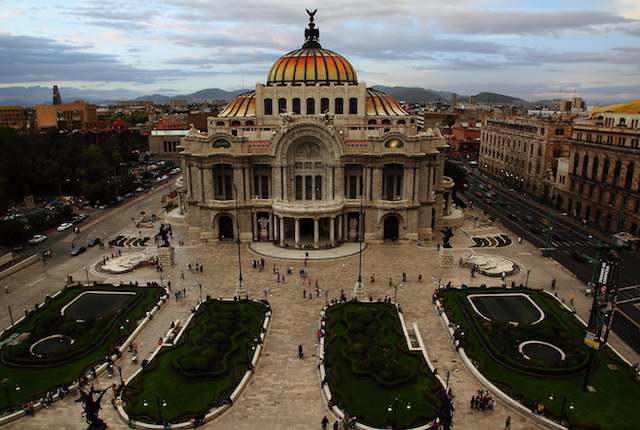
(122, 51)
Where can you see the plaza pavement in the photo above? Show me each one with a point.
(284, 392)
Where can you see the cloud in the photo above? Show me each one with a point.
(477, 21)
(26, 59)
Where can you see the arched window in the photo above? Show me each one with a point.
(372, 121)
(629, 179)
(594, 169)
(386, 121)
(616, 173)
(401, 121)
(576, 162)
(339, 106)
(219, 122)
(268, 107)
(324, 105)
(353, 106)
(296, 105)
(223, 182)
(282, 105)
(235, 122)
(311, 106)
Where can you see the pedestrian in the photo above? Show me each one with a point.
(553, 284)
(336, 425)
(182, 274)
(324, 422)
(571, 299)
(304, 294)
(519, 239)
(6, 288)
(507, 423)
(420, 277)
(300, 353)
(373, 278)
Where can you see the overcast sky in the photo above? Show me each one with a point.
(532, 49)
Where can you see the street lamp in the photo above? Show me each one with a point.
(393, 407)
(326, 296)
(6, 391)
(10, 314)
(60, 186)
(86, 271)
(526, 285)
(250, 345)
(162, 403)
(200, 287)
(395, 294)
(564, 403)
(240, 287)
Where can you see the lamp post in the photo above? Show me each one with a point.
(250, 345)
(60, 186)
(240, 287)
(526, 285)
(395, 294)
(358, 288)
(6, 391)
(86, 272)
(162, 403)
(326, 296)
(10, 314)
(564, 403)
(393, 407)
(120, 374)
(199, 287)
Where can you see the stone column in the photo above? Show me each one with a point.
(207, 183)
(256, 226)
(285, 184)
(297, 232)
(272, 227)
(377, 184)
(332, 227)
(407, 193)
(281, 230)
(316, 233)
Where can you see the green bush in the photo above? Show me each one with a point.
(357, 328)
(187, 363)
(200, 364)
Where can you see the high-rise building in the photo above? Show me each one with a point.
(314, 158)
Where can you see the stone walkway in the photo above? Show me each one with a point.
(285, 391)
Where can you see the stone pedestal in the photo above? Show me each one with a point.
(241, 290)
(358, 291)
(446, 258)
(165, 255)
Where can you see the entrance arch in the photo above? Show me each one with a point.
(391, 228)
(225, 227)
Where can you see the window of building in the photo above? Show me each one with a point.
(339, 106)
(616, 173)
(249, 123)
(372, 121)
(268, 107)
(634, 143)
(295, 103)
(609, 140)
(261, 180)
(622, 141)
(282, 105)
(386, 121)
(594, 168)
(579, 136)
(598, 138)
(605, 170)
(629, 178)
(235, 122)
(353, 180)
(576, 163)
(559, 131)
(401, 121)
(353, 106)
(589, 137)
(585, 165)
(219, 122)
(223, 182)
(311, 106)
(324, 105)
(221, 143)
(392, 177)
(634, 123)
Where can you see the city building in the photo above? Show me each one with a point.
(599, 181)
(523, 151)
(13, 117)
(66, 116)
(464, 143)
(315, 158)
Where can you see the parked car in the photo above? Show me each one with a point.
(65, 225)
(78, 250)
(128, 195)
(93, 242)
(38, 238)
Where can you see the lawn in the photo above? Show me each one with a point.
(488, 345)
(94, 338)
(202, 369)
(369, 366)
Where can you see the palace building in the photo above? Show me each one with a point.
(313, 158)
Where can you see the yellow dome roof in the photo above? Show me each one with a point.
(627, 107)
(312, 64)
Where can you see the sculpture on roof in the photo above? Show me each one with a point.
(311, 14)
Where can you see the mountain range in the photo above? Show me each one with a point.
(38, 95)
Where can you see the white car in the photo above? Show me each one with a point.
(38, 238)
(64, 226)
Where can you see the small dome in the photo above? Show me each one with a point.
(379, 103)
(312, 64)
(242, 105)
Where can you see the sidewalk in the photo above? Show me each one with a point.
(285, 391)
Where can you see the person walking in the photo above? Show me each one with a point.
(507, 423)
(324, 422)
(6, 288)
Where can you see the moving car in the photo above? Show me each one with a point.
(38, 238)
(78, 250)
(64, 226)
(93, 242)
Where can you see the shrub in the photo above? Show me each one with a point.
(200, 364)
(68, 327)
(187, 363)
(219, 337)
(357, 328)
(366, 319)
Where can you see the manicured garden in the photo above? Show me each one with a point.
(202, 369)
(90, 340)
(369, 366)
(129, 241)
(494, 347)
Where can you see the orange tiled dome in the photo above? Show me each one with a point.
(312, 64)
